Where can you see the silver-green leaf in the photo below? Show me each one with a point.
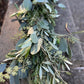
(27, 43)
(45, 68)
(27, 4)
(61, 5)
(50, 70)
(36, 47)
(40, 73)
(2, 67)
(34, 38)
(48, 7)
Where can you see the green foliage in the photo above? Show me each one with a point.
(2, 67)
(40, 54)
(61, 5)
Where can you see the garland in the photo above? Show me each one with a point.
(41, 54)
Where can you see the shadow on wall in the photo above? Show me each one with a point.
(3, 8)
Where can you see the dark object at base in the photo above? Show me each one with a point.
(3, 8)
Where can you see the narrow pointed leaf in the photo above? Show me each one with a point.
(48, 7)
(67, 66)
(40, 1)
(47, 62)
(40, 73)
(45, 68)
(61, 5)
(54, 46)
(68, 62)
(50, 70)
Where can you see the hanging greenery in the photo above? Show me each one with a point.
(41, 55)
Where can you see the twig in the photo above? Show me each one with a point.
(66, 27)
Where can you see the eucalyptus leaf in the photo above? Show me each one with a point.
(22, 26)
(14, 79)
(27, 4)
(43, 24)
(18, 43)
(27, 43)
(13, 63)
(36, 47)
(63, 45)
(34, 37)
(2, 67)
(21, 74)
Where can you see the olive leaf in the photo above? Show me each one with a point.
(22, 74)
(61, 5)
(48, 7)
(67, 66)
(40, 73)
(45, 68)
(51, 71)
(47, 62)
(40, 1)
(54, 15)
(54, 46)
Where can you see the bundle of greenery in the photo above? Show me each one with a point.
(41, 54)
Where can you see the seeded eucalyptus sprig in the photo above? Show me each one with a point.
(41, 54)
